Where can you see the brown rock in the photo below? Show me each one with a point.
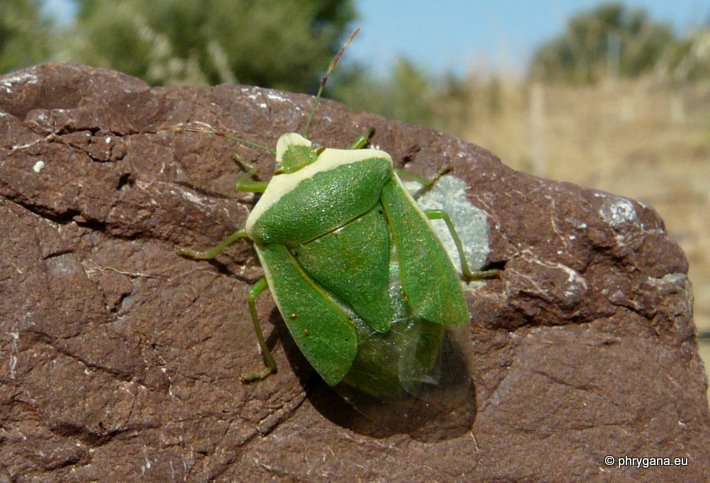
(120, 360)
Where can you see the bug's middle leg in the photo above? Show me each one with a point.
(213, 252)
(468, 274)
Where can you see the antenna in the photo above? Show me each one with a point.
(204, 128)
(324, 79)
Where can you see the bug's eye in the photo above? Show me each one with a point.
(315, 146)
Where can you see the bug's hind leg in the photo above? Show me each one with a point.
(270, 365)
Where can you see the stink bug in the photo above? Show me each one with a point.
(355, 268)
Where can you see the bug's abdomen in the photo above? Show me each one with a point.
(305, 209)
(396, 351)
(396, 364)
(352, 262)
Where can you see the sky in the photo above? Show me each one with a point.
(460, 36)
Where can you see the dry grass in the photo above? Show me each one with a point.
(638, 139)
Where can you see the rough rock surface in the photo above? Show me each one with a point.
(120, 360)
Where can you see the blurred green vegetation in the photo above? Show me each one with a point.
(269, 43)
(24, 34)
(613, 40)
(408, 94)
(609, 39)
(287, 45)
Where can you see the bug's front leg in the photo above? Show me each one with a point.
(426, 183)
(362, 141)
(246, 182)
(257, 289)
(468, 274)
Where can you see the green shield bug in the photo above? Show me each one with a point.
(354, 266)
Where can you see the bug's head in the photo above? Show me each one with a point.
(294, 152)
